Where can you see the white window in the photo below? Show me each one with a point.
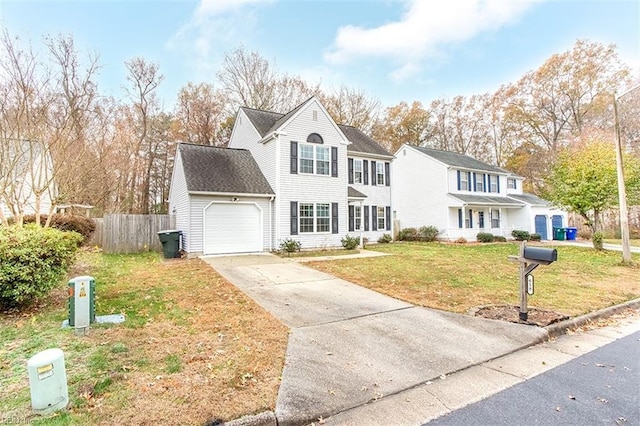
(314, 218)
(357, 218)
(511, 183)
(381, 218)
(479, 183)
(357, 171)
(493, 183)
(464, 181)
(495, 218)
(323, 221)
(310, 154)
(306, 158)
(380, 173)
(322, 160)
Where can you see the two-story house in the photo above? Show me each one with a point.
(462, 196)
(296, 176)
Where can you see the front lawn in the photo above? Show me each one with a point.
(192, 348)
(456, 277)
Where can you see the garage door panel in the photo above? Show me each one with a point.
(232, 228)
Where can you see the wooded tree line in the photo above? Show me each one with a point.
(117, 153)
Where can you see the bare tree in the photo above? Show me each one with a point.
(200, 114)
(402, 123)
(144, 78)
(352, 107)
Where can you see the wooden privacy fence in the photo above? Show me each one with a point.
(131, 233)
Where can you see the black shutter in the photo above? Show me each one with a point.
(387, 173)
(365, 209)
(294, 218)
(388, 217)
(374, 217)
(334, 161)
(484, 182)
(498, 182)
(373, 174)
(334, 218)
(475, 182)
(294, 158)
(365, 172)
(459, 218)
(350, 166)
(470, 218)
(459, 187)
(352, 218)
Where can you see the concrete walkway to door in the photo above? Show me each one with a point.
(350, 345)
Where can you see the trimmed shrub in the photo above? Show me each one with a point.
(83, 225)
(520, 235)
(485, 237)
(290, 245)
(499, 239)
(597, 238)
(535, 237)
(385, 239)
(350, 243)
(34, 260)
(461, 240)
(428, 233)
(408, 234)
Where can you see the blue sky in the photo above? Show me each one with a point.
(395, 50)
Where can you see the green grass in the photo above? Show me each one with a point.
(320, 253)
(182, 321)
(632, 242)
(457, 277)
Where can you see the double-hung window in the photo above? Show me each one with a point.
(380, 174)
(381, 218)
(357, 171)
(511, 183)
(320, 155)
(479, 183)
(314, 217)
(357, 218)
(495, 218)
(493, 183)
(306, 158)
(464, 181)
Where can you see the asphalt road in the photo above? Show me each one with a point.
(601, 387)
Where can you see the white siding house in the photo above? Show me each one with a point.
(462, 196)
(302, 191)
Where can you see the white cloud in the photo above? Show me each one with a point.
(425, 28)
(215, 25)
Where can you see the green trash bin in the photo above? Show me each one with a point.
(170, 240)
(559, 234)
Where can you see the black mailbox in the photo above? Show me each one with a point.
(540, 254)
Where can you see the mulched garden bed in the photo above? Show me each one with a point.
(539, 317)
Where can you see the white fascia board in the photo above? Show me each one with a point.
(231, 194)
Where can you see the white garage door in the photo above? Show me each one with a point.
(232, 228)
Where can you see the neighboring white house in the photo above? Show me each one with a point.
(462, 196)
(26, 168)
(297, 175)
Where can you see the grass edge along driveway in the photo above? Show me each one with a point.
(193, 347)
(457, 277)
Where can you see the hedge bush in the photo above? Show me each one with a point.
(425, 233)
(485, 237)
(520, 235)
(350, 243)
(385, 239)
(34, 260)
(499, 239)
(535, 237)
(83, 225)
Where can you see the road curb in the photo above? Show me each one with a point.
(560, 328)
(266, 418)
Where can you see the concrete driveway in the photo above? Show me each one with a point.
(349, 345)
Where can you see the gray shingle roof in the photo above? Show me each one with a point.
(361, 142)
(486, 200)
(354, 193)
(214, 169)
(530, 199)
(266, 122)
(459, 160)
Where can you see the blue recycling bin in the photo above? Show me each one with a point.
(571, 233)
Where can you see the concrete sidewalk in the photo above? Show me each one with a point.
(350, 346)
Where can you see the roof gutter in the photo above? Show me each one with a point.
(272, 135)
(231, 194)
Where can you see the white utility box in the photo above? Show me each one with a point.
(48, 381)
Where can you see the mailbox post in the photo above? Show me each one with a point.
(530, 258)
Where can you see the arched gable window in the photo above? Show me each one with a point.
(314, 138)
